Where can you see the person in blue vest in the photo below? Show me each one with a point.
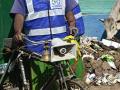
(44, 20)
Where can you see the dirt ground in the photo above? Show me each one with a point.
(113, 87)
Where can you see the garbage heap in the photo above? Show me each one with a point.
(101, 60)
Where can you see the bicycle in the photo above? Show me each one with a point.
(64, 82)
(18, 61)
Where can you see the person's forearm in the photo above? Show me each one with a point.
(71, 19)
(18, 23)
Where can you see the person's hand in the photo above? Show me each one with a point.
(73, 31)
(18, 38)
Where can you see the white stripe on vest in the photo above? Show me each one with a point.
(78, 15)
(46, 31)
(30, 5)
(44, 13)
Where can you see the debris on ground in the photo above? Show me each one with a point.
(101, 60)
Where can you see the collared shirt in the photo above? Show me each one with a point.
(20, 7)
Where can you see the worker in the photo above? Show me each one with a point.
(42, 20)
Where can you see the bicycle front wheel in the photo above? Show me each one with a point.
(75, 85)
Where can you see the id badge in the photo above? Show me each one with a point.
(56, 4)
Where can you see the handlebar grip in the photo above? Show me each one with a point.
(74, 31)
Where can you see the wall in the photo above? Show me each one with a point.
(5, 22)
(93, 10)
(96, 6)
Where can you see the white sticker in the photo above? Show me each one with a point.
(56, 4)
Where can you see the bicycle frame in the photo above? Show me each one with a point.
(25, 83)
(20, 63)
(58, 74)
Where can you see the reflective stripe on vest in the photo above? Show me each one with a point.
(44, 13)
(30, 8)
(78, 15)
(46, 31)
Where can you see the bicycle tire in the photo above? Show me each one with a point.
(75, 85)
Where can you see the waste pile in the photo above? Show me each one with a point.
(101, 60)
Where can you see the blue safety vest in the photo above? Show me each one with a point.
(79, 20)
(46, 20)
